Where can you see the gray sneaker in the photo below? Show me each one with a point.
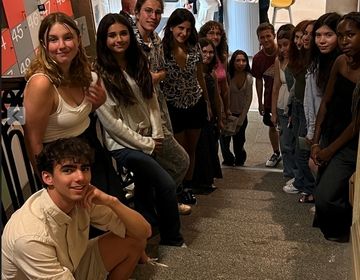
(290, 189)
(273, 160)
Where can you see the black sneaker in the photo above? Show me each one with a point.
(187, 197)
(228, 163)
(273, 160)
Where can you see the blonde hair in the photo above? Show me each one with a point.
(80, 70)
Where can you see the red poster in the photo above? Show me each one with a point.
(14, 12)
(65, 7)
(50, 7)
(8, 57)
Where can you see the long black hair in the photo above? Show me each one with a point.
(232, 61)
(321, 64)
(178, 16)
(110, 71)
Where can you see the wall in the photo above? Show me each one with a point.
(20, 22)
(355, 228)
(343, 6)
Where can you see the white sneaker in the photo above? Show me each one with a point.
(184, 209)
(130, 187)
(288, 182)
(129, 191)
(273, 160)
(129, 195)
(290, 189)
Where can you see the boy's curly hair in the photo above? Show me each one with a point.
(74, 149)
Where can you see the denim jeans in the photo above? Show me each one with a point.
(173, 157)
(155, 193)
(239, 155)
(287, 145)
(304, 179)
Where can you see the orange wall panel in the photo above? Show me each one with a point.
(65, 7)
(14, 11)
(8, 57)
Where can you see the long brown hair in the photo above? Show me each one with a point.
(299, 59)
(222, 50)
(110, 71)
(80, 71)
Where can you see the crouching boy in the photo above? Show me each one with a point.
(48, 237)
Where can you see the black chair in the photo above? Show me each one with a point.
(15, 161)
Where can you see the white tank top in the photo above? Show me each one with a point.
(66, 121)
(283, 97)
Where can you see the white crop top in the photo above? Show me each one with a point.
(66, 121)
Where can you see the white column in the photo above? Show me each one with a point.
(241, 21)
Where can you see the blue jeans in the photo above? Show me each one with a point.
(304, 179)
(155, 193)
(287, 145)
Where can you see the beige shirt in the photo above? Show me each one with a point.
(240, 98)
(42, 242)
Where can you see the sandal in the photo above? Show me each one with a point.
(307, 198)
(187, 197)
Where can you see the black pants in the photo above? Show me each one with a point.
(239, 155)
(103, 174)
(207, 163)
(155, 193)
(333, 210)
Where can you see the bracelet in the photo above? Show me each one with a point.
(315, 145)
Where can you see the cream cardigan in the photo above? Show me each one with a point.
(132, 126)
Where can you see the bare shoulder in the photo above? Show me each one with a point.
(39, 91)
(39, 86)
(340, 63)
(40, 82)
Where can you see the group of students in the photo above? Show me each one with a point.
(151, 99)
(161, 105)
(315, 105)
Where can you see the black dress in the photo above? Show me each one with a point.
(207, 163)
(333, 210)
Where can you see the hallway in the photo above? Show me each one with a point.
(250, 229)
